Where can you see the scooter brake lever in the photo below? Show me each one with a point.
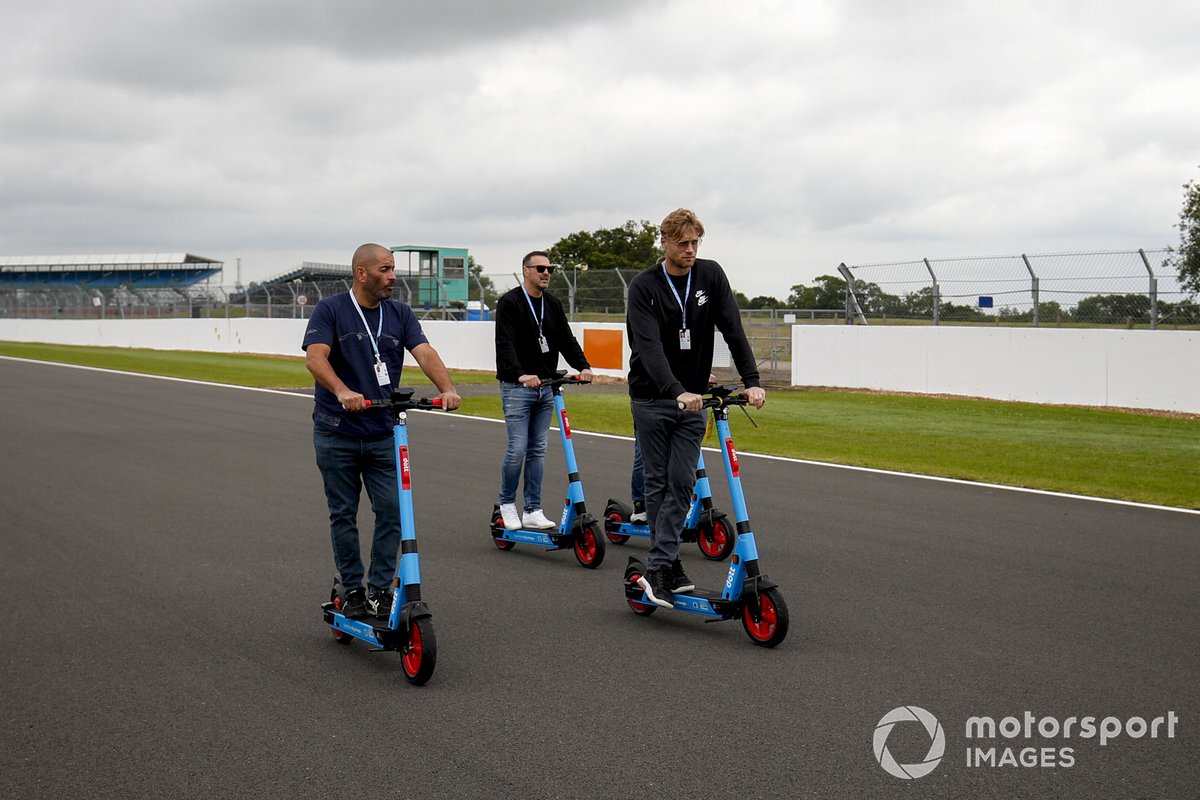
(747, 413)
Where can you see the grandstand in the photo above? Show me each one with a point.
(147, 271)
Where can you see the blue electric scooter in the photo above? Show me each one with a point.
(747, 593)
(409, 628)
(577, 528)
(704, 525)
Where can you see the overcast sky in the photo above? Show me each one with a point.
(802, 133)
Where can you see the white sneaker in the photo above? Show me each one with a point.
(639, 518)
(508, 512)
(537, 520)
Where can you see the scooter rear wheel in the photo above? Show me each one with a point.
(772, 624)
(339, 636)
(716, 542)
(641, 609)
(420, 652)
(503, 544)
(616, 538)
(589, 546)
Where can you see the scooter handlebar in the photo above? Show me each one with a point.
(407, 404)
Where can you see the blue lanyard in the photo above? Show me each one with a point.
(374, 345)
(536, 318)
(686, 292)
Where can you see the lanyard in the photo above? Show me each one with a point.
(687, 291)
(536, 318)
(374, 344)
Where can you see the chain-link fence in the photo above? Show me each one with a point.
(1132, 289)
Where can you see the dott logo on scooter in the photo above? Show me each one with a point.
(733, 459)
(405, 475)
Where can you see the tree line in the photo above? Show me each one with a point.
(614, 255)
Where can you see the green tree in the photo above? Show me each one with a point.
(1113, 309)
(630, 248)
(1187, 260)
(763, 301)
(828, 292)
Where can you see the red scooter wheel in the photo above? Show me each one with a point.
(420, 652)
(771, 625)
(716, 542)
(589, 546)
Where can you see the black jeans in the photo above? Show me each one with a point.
(670, 443)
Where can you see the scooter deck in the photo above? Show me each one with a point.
(369, 629)
(549, 538)
(698, 601)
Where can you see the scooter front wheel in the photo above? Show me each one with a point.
(716, 541)
(589, 546)
(771, 625)
(420, 652)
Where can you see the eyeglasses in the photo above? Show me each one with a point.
(684, 244)
(542, 267)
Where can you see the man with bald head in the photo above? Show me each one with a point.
(354, 347)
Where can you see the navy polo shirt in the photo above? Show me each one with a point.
(336, 323)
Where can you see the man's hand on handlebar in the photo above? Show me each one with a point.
(449, 400)
(756, 396)
(689, 401)
(351, 400)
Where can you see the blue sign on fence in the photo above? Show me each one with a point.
(985, 302)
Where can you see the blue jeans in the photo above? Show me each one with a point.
(348, 463)
(637, 478)
(527, 414)
(670, 443)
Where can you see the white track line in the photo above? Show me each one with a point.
(872, 470)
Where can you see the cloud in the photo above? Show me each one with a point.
(804, 133)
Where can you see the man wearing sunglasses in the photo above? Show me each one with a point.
(531, 332)
(674, 309)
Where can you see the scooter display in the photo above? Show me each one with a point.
(577, 529)
(747, 594)
(408, 630)
(704, 524)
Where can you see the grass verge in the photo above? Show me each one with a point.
(1124, 455)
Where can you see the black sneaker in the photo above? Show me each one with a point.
(680, 581)
(379, 602)
(639, 513)
(659, 580)
(355, 605)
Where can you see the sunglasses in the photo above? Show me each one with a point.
(543, 268)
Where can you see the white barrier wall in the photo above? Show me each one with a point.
(462, 345)
(1091, 367)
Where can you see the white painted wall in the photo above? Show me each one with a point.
(1132, 369)
(462, 345)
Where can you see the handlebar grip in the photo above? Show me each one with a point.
(367, 403)
(437, 401)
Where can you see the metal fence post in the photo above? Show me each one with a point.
(1153, 290)
(853, 310)
(937, 300)
(1033, 289)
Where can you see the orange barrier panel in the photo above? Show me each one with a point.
(603, 348)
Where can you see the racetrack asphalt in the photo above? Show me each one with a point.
(165, 552)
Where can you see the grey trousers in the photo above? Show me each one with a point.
(670, 443)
